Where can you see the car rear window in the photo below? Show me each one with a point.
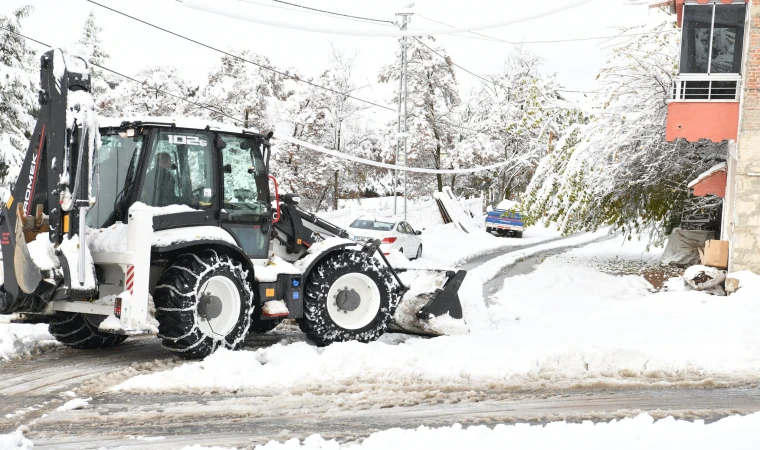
(372, 225)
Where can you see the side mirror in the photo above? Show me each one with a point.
(418, 232)
(227, 168)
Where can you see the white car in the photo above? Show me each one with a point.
(393, 234)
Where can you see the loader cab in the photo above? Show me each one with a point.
(191, 177)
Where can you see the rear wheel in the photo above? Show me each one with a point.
(348, 296)
(419, 252)
(203, 302)
(519, 234)
(79, 331)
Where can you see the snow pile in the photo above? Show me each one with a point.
(275, 266)
(16, 440)
(565, 325)
(162, 210)
(114, 238)
(71, 250)
(641, 432)
(44, 257)
(445, 245)
(43, 253)
(318, 248)
(77, 403)
(17, 340)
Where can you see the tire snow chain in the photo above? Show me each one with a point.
(372, 246)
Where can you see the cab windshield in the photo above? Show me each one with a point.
(246, 188)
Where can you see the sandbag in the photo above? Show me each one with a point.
(683, 247)
(704, 278)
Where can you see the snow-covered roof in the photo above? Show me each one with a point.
(180, 122)
(506, 205)
(722, 167)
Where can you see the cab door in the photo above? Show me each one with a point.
(245, 209)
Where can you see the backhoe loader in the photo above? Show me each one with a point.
(119, 227)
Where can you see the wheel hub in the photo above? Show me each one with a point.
(209, 306)
(348, 300)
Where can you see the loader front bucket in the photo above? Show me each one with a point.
(430, 295)
(445, 299)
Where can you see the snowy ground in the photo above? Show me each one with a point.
(17, 340)
(637, 433)
(564, 332)
(444, 245)
(565, 325)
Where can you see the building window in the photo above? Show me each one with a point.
(713, 38)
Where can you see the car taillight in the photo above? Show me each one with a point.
(117, 308)
(389, 240)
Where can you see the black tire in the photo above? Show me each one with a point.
(76, 331)
(419, 252)
(519, 234)
(488, 229)
(177, 297)
(317, 322)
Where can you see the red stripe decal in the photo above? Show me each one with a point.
(36, 170)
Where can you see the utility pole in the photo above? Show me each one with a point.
(402, 126)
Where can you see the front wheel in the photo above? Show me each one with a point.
(203, 302)
(80, 331)
(419, 252)
(349, 296)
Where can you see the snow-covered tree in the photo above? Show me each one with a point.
(433, 99)
(618, 169)
(151, 96)
(513, 118)
(96, 55)
(300, 170)
(240, 89)
(18, 100)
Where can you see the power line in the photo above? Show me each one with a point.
(554, 41)
(285, 138)
(452, 26)
(333, 13)
(486, 80)
(284, 74)
(198, 104)
(220, 8)
(284, 8)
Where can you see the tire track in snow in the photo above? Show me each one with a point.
(247, 421)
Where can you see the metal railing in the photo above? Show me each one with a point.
(701, 88)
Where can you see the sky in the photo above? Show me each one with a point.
(133, 45)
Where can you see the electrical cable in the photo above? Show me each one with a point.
(291, 139)
(287, 75)
(127, 77)
(381, 165)
(486, 80)
(334, 13)
(553, 41)
(223, 8)
(322, 14)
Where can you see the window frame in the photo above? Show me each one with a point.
(713, 4)
(146, 160)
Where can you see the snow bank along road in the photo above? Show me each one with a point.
(565, 341)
